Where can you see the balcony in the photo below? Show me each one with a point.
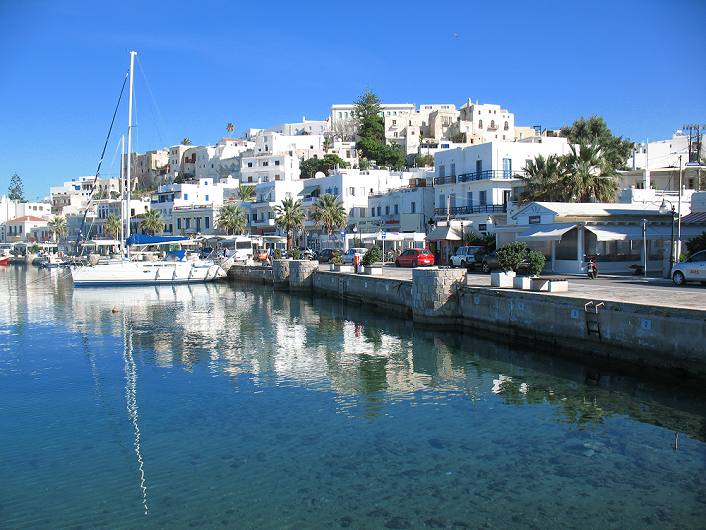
(470, 210)
(440, 181)
(489, 174)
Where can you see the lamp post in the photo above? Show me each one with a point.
(355, 233)
(644, 248)
(664, 209)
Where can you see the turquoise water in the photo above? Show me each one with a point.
(221, 406)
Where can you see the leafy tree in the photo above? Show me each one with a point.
(330, 214)
(594, 130)
(474, 239)
(371, 127)
(421, 160)
(290, 217)
(326, 164)
(394, 156)
(328, 143)
(113, 226)
(16, 189)
(246, 193)
(232, 219)
(186, 141)
(511, 256)
(536, 262)
(229, 128)
(152, 222)
(58, 227)
(373, 255)
(696, 244)
(458, 138)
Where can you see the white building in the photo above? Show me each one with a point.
(20, 228)
(484, 123)
(478, 180)
(75, 193)
(269, 168)
(304, 127)
(268, 194)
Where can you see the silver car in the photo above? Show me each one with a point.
(466, 256)
(692, 269)
(348, 256)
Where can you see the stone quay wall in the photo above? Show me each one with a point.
(658, 339)
(247, 273)
(280, 273)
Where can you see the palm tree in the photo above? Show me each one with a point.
(229, 128)
(330, 213)
(246, 193)
(232, 219)
(588, 176)
(152, 222)
(290, 217)
(57, 226)
(113, 226)
(542, 179)
(186, 141)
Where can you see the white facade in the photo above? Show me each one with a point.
(304, 127)
(485, 122)
(478, 180)
(76, 193)
(269, 168)
(401, 210)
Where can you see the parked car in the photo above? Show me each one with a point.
(692, 269)
(490, 264)
(415, 257)
(348, 256)
(326, 254)
(468, 257)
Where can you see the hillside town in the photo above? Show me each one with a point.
(429, 175)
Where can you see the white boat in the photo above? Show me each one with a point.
(128, 270)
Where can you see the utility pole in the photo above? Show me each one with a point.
(679, 212)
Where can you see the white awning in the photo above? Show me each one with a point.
(444, 233)
(551, 232)
(101, 243)
(629, 233)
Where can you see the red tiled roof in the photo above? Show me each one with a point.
(26, 218)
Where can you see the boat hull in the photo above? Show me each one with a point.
(145, 273)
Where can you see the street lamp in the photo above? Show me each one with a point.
(664, 210)
(355, 233)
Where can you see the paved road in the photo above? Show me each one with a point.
(651, 291)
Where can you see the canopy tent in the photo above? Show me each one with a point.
(629, 233)
(445, 233)
(393, 236)
(144, 239)
(552, 232)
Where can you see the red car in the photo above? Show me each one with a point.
(415, 257)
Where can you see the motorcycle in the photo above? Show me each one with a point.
(592, 266)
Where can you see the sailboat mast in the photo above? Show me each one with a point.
(122, 195)
(129, 149)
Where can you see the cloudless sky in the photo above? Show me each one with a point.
(640, 64)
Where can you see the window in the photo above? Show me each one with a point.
(276, 177)
(186, 196)
(442, 171)
(442, 200)
(379, 211)
(492, 124)
(535, 219)
(387, 210)
(413, 207)
(206, 198)
(362, 212)
(507, 167)
(452, 200)
(483, 197)
(469, 198)
(276, 162)
(480, 124)
(265, 164)
(394, 122)
(207, 222)
(453, 170)
(351, 192)
(479, 166)
(188, 223)
(396, 209)
(249, 164)
(506, 127)
(335, 190)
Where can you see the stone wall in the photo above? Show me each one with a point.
(301, 273)
(388, 294)
(280, 273)
(435, 295)
(245, 273)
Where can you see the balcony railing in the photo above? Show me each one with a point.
(438, 181)
(479, 175)
(469, 210)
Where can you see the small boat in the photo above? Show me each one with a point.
(4, 260)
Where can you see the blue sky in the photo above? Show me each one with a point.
(640, 64)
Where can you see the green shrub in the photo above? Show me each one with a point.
(373, 255)
(295, 253)
(337, 259)
(536, 262)
(278, 253)
(511, 256)
(696, 244)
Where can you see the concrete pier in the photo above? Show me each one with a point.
(280, 274)
(301, 274)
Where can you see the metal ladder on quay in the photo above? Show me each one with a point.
(593, 325)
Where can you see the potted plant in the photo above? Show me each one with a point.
(336, 261)
(278, 253)
(295, 253)
(371, 261)
(510, 258)
(535, 262)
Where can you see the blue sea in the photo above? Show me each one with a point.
(234, 406)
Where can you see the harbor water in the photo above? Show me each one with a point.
(230, 406)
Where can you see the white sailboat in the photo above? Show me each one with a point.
(131, 272)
